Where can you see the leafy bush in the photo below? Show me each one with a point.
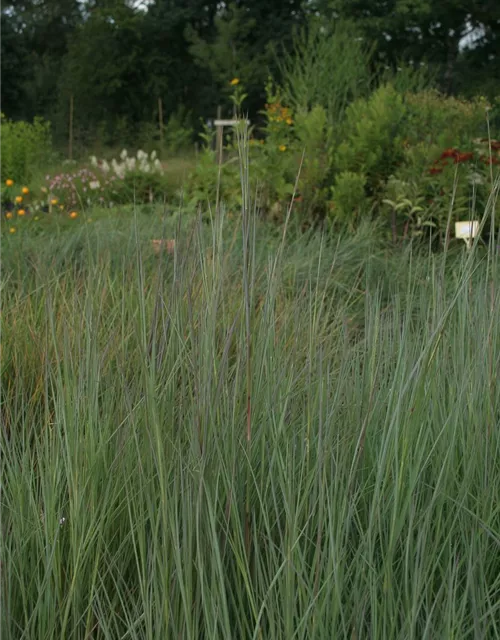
(25, 148)
(372, 145)
(440, 121)
(313, 135)
(273, 161)
(348, 197)
(445, 160)
(178, 132)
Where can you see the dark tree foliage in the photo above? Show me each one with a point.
(118, 57)
(457, 38)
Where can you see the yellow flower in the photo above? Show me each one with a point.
(234, 82)
(61, 207)
(19, 199)
(289, 121)
(12, 230)
(21, 212)
(25, 190)
(8, 215)
(53, 201)
(73, 214)
(9, 182)
(282, 147)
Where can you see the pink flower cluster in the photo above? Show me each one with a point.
(74, 188)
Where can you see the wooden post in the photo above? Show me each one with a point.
(219, 140)
(160, 120)
(70, 143)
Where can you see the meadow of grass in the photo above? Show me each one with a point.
(259, 436)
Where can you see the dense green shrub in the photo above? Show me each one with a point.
(417, 154)
(25, 148)
(445, 159)
(313, 139)
(372, 142)
(348, 197)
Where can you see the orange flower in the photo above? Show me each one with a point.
(73, 215)
(25, 190)
(8, 215)
(18, 199)
(9, 182)
(21, 212)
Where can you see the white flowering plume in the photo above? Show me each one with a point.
(141, 162)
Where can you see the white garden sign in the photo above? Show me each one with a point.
(467, 230)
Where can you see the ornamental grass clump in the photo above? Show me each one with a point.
(249, 439)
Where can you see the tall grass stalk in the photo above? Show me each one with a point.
(249, 439)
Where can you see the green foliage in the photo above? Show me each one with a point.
(328, 66)
(348, 197)
(201, 188)
(229, 55)
(178, 132)
(25, 148)
(443, 121)
(13, 54)
(372, 144)
(313, 139)
(103, 69)
(116, 58)
(457, 39)
(443, 162)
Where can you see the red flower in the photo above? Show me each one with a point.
(449, 153)
(463, 157)
(495, 144)
(434, 170)
(490, 160)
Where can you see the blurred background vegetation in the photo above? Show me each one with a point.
(117, 57)
(387, 110)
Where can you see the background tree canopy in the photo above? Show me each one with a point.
(117, 57)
